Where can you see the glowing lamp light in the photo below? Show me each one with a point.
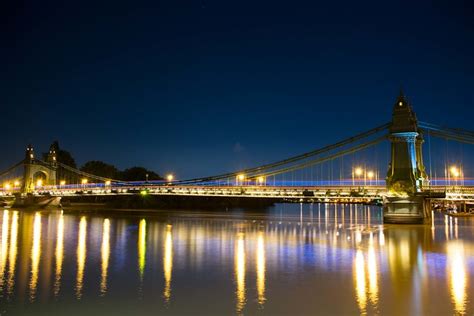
(241, 177)
(84, 181)
(62, 182)
(39, 183)
(359, 171)
(7, 186)
(370, 174)
(260, 180)
(107, 182)
(16, 183)
(169, 177)
(144, 192)
(455, 172)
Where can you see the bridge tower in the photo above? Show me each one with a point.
(37, 173)
(406, 177)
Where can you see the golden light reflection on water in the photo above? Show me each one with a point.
(59, 253)
(4, 246)
(13, 253)
(105, 254)
(81, 256)
(458, 276)
(141, 247)
(389, 263)
(240, 272)
(261, 269)
(35, 255)
(372, 271)
(168, 263)
(366, 279)
(359, 267)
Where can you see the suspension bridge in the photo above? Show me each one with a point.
(407, 191)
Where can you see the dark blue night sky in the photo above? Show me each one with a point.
(200, 87)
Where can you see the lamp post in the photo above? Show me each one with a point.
(84, 183)
(370, 175)
(456, 173)
(241, 178)
(358, 172)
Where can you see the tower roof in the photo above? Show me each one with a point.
(403, 117)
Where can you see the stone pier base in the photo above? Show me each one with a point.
(406, 210)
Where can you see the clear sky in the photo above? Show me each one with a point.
(200, 87)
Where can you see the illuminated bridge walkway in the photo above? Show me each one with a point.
(349, 194)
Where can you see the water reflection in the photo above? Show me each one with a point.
(59, 254)
(240, 272)
(81, 256)
(141, 247)
(361, 289)
(4, 246)
(105, 254)
(13, 253)
(35, 255)
(232, 263)
(260, 269)
(458, 277)
(168, 263)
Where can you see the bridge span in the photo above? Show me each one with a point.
(407, 194)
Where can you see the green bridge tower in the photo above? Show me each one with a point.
(406, 177)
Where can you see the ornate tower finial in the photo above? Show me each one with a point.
(52, 154)
(30, 153)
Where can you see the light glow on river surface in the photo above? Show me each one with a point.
(290, 259)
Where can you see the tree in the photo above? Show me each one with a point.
(138, 174)
(100, 168)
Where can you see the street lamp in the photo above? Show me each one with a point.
(241, 178)
(456, 173)
(260, 180)
(370, 175)
(169, 177)
(7, 186)
(39, 183)
(358, 171)
(62, 183)
(16, 184)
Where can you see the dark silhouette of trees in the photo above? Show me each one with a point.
(138, 174)
(100, 168)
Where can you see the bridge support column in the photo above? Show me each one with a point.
(406, 210)
(405, 202)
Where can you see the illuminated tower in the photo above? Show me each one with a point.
(38, 173)
(406, 175)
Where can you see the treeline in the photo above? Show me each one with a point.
(100, 168)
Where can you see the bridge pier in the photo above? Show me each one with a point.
(406, 210)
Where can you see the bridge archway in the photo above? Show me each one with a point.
(40, 176)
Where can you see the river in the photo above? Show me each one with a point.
(292, 259)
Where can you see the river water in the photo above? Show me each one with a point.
(291, 259)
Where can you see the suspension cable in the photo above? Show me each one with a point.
(7, 171)
(325, 159)
(291, 159)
